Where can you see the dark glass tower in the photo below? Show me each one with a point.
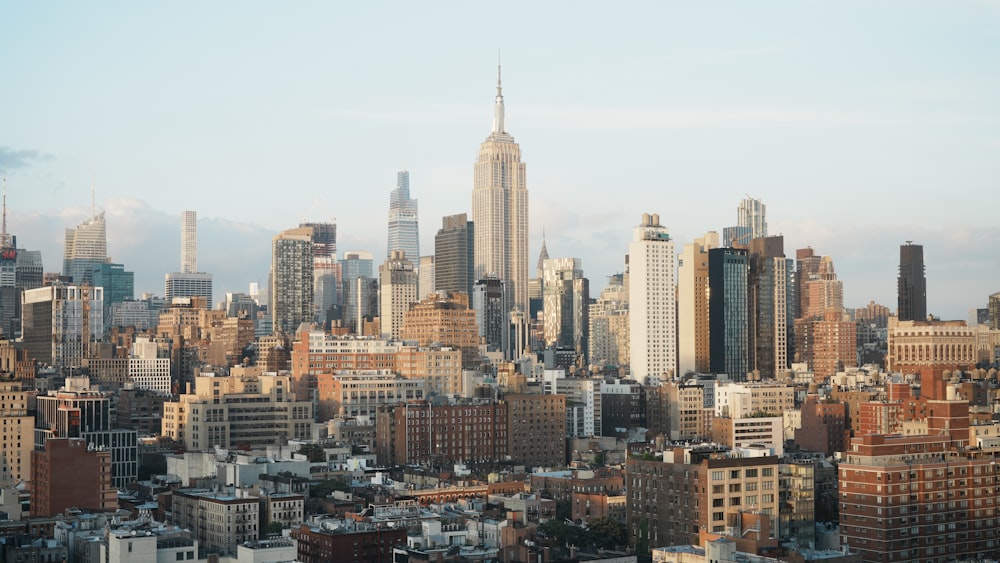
(912, 289)
(728, 312)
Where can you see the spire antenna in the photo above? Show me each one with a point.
(3, 234)
(498, 125)
(93, 194)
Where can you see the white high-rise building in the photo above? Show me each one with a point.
(692, 305)
(751, 215)
(500, 209)
(189, 242)
(404, 233)
(652, 303)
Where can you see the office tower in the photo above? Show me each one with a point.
(994, 311)
(454, 258)
(359, 301)
(652, 302)
(403, 232)
(178, 285)
(86, 247)
(912, 285)
(425, 277)
(292, 279)
(566, 309)
(63, 324)
(189, 242)
(692, 305)
(10, 295)
(326, 271)
(608, 318)
(67, 473)
(728, 306)
(444, 319)
(806, 268)
(491, 302)
(772, 306)
(118, 284)
(398, 289)
(500, 208)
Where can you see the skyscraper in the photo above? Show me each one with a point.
(292, 279)
(63, 324)
(189, 242)
(751, 223)
(454, 260)
(728, 270)
(398, 288)
(188, 282)
(772, 306)
(566, 309)
(490, 299)
(403, 232)
(912, 283)
(652, 303)
(86, 247)
(360, 298)
(500, 208)
(692, 304)
(326, 270)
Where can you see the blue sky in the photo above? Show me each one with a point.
(860, 124)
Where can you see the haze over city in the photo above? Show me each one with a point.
(860, 126)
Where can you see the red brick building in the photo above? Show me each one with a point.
(374, 545)
(921, 498)
(66, 474)
(421, 433)
(824, 426)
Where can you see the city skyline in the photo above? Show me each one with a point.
(849, 159)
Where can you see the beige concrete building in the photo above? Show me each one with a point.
(398, 290)
(440, 367)
(678, 411)
(247, 408)
(363, 393)
(918, 346)
(740, 400)
(692, 305)
(16, 434)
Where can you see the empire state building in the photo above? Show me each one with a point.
(500, 209)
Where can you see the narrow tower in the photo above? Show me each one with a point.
(189, 242)
(912, 284)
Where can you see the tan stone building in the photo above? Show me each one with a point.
(247, 408)
(363, 393)
(444, 321)
(16, 434)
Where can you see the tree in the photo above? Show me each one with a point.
(324, 488)
(272, 529)
(314, 452)
(605, 533)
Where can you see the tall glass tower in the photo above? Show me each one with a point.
(912, 284)
(403, 232)
(86, 247)
(500, 208)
